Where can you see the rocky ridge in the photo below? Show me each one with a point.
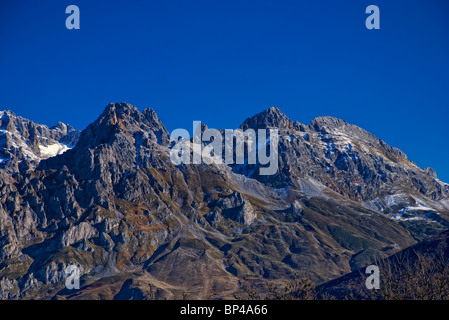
(141, 227)
(23, 143)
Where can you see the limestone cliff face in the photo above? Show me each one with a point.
(23, 143)
(114, 204)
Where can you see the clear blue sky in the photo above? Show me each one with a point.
(220, 61)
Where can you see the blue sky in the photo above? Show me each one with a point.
(223, 61)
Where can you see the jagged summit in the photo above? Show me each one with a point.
(120, 108)
(269, 118)
(125, 119)
(6, 112)
(273, 110)
(23, 143)
(328, 121)
(348, 131)
(129, 115)
(115, 113)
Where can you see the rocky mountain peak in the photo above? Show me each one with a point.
(63, 127)
(23, 143)
(7, 113)
(115, 113)
(124, 119)
(7, 120)
(273, 110)
(328, 121)
(129, 118)
(340, 128)
(270, 118)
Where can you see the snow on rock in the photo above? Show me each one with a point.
(393, 200)
(52, 150)
(23, 141)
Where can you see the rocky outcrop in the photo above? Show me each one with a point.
(236, 208)
(82, 231)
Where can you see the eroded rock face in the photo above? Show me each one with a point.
(345, 158)
(235, 207)
(23, 143)
(116, 206)
(9, 289)
(82, 231)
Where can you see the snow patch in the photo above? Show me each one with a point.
(52, 150)
(419, 207)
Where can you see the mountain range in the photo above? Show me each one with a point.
(109, 200)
